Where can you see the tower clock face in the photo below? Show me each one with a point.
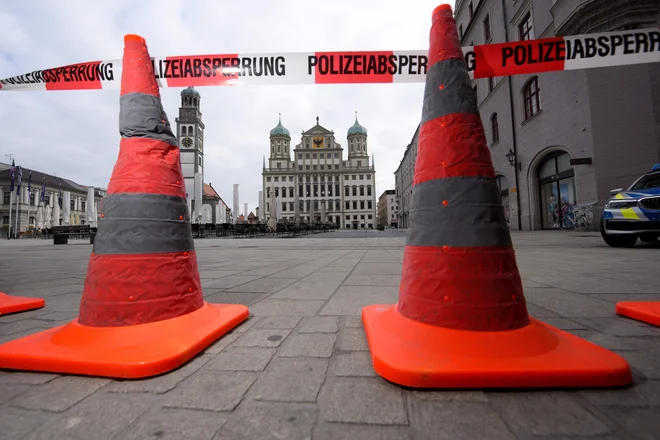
(317, 142)
(187, 142)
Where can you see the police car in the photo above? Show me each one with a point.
(633, 213)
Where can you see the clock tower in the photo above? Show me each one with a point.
(190, 134)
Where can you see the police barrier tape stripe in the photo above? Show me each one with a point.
(607, 49)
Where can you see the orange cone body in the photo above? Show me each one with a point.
(142, 311)
(15, 304)
(645, 311)
(461, 320)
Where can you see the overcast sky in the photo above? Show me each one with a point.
(75, 133)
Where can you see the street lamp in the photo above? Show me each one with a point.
(512, 160)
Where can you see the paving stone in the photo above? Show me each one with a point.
(225, 297)
(308, 290)
(639, 395)
(270, 421)
(371, 402)
(174, 424)
(615, 326)
(545, 413)
(540, 313)
(377, 269)
(457, 420)
(15, 423)
(242, 359)
(352, 339)
(309, 345)
(245, 325)
(643, 423)
(25, 325)
(99, 417)
(262, 338)
(333, 276)
(568, 304)
(345, 262)
(10, 391)
(28, 378)
(291, 380)
(352, 321)
(565, 323)
(273, 307)
(373, 280)
(159, 384)
(350, 300)
(280, 322)
(353, 364)
(211, 390)
(231, 281)
(345, 431)
(452, 396)
(263, 285)
(644, 361)
(222, 343)
(58, 316)
(60, 394)
(13, 317)
(319, 324)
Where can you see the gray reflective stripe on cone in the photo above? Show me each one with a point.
(142, 236)
(145, 206)
(473, 217)
(455, 97)
(142, 115)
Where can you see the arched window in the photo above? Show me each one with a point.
(531, 97)
(495, 128)
(184, 131)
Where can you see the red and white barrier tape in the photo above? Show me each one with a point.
(608, 49)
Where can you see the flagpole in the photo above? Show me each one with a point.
(18, 198)
(27, 225)
(11, 202)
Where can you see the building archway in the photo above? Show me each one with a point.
(554, 186)
(503, 186)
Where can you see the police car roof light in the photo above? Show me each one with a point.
(656, 167)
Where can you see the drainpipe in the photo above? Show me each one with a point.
(513, 120)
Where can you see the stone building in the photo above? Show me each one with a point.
(388, 209)
(319, 185)
(77, 208)
(568, 136)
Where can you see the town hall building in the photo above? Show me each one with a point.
(319, 185)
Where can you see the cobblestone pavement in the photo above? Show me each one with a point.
(299, 368)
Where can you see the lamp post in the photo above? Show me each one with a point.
(512, 160)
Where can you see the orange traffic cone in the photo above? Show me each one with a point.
(461, 320)
(645, 311)
(142, 311)
(14, 304)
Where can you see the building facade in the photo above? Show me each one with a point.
(388, 209)
(190, 135)
(564, 137)
(319, 185)
(29, 202)
(403, 182)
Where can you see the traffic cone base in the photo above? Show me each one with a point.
(15, 304)
(645, 311)
(129, 352)
(414, 354)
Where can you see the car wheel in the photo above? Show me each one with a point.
(616, 240)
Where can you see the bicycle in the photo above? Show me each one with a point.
(575, 218)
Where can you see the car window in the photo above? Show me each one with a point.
(647, 182)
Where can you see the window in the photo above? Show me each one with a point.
(354, 191)
(531, 98)
(346, 191)
(83, 206)
(525, 30)
(369, 204)
(32, 195)
(6, 197)
(474, 90)
(486, 24)
(348, 205)
(495, 128)
(72, 205)
(362, 190)
(460, 31)
(471, 10)
(491, 84)
(369, 190)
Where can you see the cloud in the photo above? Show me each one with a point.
(75, 133)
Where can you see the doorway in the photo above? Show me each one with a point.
(556, 181)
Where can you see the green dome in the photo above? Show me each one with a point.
(357, 128)
(279, 130)
(189, 91)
